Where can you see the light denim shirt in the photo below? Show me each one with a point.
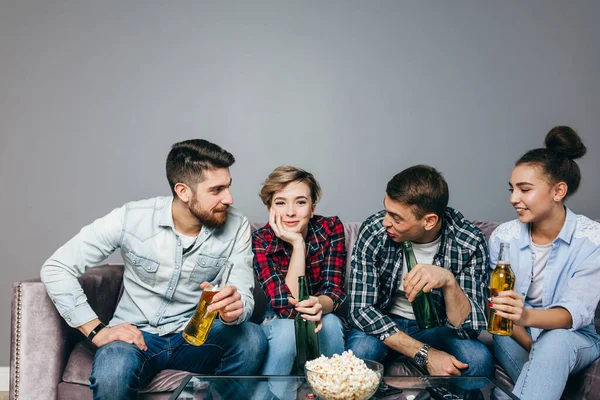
(161, 283)
(572, 273)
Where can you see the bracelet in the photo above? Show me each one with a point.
(95, 331)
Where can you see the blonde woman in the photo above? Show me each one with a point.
(297, 242)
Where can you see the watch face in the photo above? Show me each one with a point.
(420, 359)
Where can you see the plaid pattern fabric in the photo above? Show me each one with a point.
(325, 263)
(377, 265)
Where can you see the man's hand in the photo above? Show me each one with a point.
(443, 364)
(426, 277)
(228, 302)
(124, 332)
(311, 310)
(293, 238)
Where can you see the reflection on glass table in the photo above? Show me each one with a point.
(199, 387)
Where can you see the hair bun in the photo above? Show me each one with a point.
(564, 140)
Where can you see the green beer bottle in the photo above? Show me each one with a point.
(307, 343)
(423, 305)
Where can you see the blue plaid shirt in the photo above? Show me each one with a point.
(377, 267)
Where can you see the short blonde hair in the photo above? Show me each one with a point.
(284, 175)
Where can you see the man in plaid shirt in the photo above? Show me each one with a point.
(452, 264)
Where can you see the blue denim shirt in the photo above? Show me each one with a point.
(573, 270)
(161, 282)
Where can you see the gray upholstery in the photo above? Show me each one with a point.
(50, 360)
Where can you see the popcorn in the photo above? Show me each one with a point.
(342, 377)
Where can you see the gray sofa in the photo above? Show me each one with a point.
(50, 360)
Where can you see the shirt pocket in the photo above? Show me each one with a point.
(207, 268)
(145, 268)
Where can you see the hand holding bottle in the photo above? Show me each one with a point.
(509, 304)
(310, 310)
(426, 277)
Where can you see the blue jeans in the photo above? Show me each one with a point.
(471, 352)
(120, 368)
(281, 335)
(555, 354)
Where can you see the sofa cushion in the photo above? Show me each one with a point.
(486, 227)
(79, 369)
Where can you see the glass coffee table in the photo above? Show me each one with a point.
(200, 387)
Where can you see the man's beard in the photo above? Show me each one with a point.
(210, 219)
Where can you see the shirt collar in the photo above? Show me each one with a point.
(166, 214)
(166, 218)
(565, 234)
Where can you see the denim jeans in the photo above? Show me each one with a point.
(281, 352)
(472, 352)
(281, 336)
(556, 354)
(120, 368)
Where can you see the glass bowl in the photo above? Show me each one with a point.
(346, 385)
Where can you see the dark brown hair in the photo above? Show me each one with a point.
(188, 160)
(421, 187)
(557, 159)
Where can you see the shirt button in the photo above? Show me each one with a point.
(170, 287)
(134, 262)
(178, 243)
(68, 318)
(157, 314)
(177, 267)
(203, 262)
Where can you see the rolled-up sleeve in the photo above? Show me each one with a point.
(473, 280)
(92, 245)
(581, 296)
(241, 276)
(364, 288)
(334, 263)
(271, 280)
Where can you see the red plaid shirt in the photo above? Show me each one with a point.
(325, 263)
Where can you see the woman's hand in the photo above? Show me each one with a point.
(310, 310)
(293, 238)
(509, 304)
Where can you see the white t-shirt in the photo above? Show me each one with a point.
(424, 254)
(186, 241)
(534, 294)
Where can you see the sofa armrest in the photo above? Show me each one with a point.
(40, 339)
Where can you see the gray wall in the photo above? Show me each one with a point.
(92, 94)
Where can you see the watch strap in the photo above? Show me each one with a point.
(95, 331)
(422, 356)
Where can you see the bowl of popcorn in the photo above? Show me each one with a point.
(343, 377)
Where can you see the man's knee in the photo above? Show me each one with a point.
(252, 341)
(476, 354)
(115, 370)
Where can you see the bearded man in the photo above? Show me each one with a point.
(172, 248)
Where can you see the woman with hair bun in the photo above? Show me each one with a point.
(555, 255)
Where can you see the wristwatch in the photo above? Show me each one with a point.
(95, 331)
(421, 356)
